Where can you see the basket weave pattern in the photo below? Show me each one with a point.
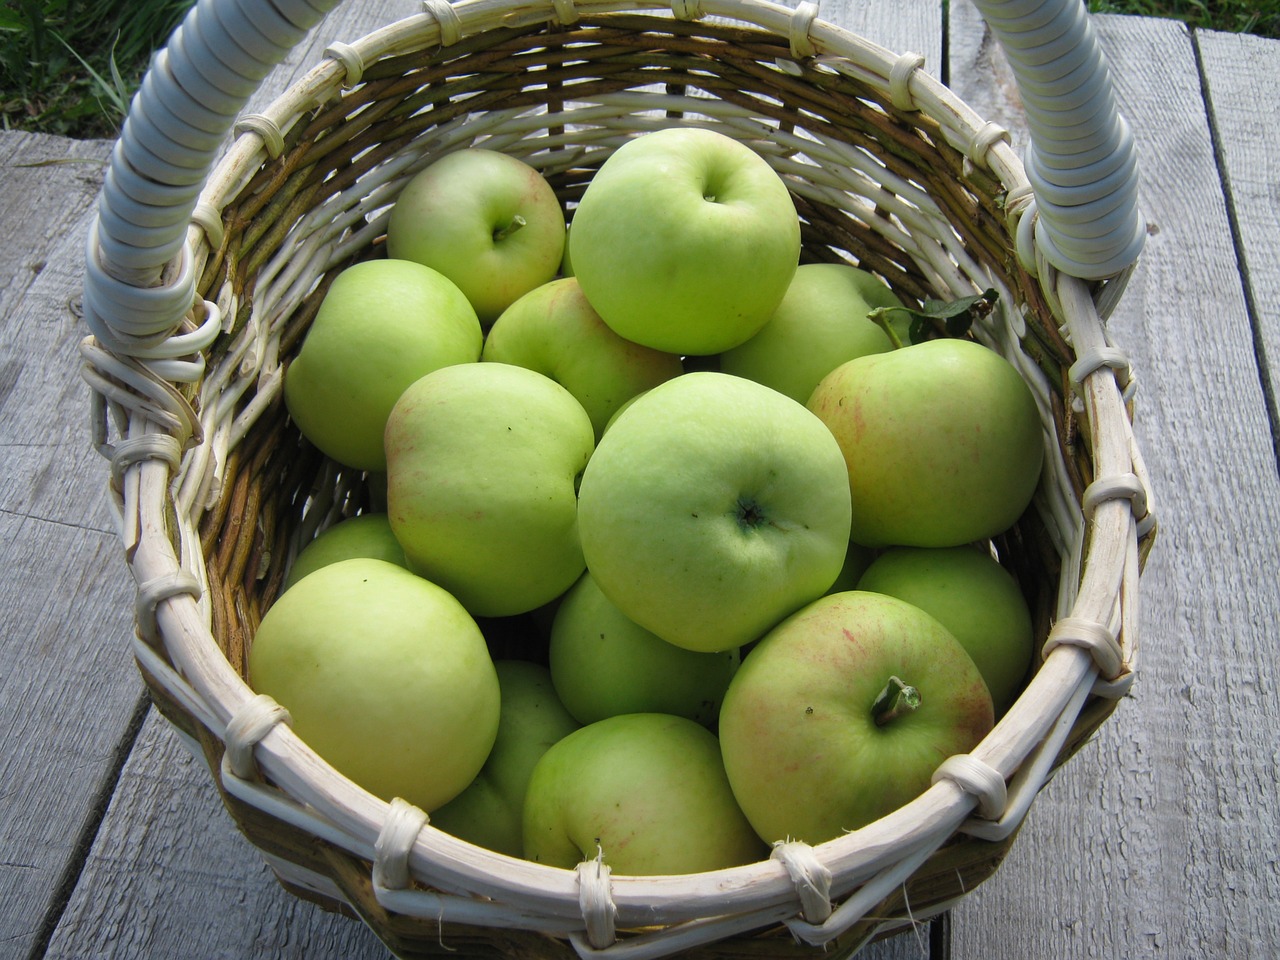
(888, 171)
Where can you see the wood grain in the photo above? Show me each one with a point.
(47, 194)
(170, 876)
(901, 26)
(1242, 78)
(1159, 838)
(67, 695)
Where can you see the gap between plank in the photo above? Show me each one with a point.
(944, 68)
(1237, 242)
(89, 832)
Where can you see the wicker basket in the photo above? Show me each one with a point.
(217, 491)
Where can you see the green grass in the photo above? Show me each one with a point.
(70, 66)
(1237, 16)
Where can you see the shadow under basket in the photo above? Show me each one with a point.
(889, 171)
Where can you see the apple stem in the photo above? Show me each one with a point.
(895, 700)
(880, 317)
(516, 223)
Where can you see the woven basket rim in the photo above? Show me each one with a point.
(309, 792)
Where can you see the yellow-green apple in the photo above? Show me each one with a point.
(482, 466)
(972, 595)
(685, 241)
(942, 439)
(385, 676)
(646, 791)
(381, 326)
(820, 323)
(604, 664)
(486, 220)
(712, 508)
(361, 535)
(841, 714)
(489, 813)
(554, 330)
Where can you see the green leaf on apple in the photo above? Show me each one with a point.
(957, 316)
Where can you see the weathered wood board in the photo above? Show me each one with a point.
(68, 693)
(1242, 79)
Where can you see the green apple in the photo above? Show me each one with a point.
(488, 221)
(685, 241)
(712, 508)
(943, 442)
(381, 326)
(646, 791)
(820, 323)
(972, 595)
(841, 714)
(362, 535)
(385, 676)
(489, 813)
(554, 330)
(482, 465)
(604, 664)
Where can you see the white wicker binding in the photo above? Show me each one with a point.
(163, 454)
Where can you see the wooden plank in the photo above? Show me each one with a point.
(48, 182)
(1242, 77)
(67, 702)
(168, 873)
(67, 696)
(47, 194)
(1158, 838)
(170, 876)
(901, 26)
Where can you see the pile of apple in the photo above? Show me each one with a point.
(751, 528)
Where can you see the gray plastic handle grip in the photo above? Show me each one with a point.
(1081, 163)
(187, 104)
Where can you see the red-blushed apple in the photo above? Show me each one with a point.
(490, 811)
(820, 323)
(381, 326)
(554, 330)
(604, 664)
(385, 676)
(363, 535)
(842, 712)
(685, 241)
(482, 466)
(943, 442)
(712, 508)
(972, 595)
(646, 791)
(488, 221)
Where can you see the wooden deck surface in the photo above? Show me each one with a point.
(1159, 839)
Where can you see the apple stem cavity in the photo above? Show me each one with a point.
(897, 699)
(503, 232)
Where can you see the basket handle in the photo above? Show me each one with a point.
(1081, 160)
(139, 282)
